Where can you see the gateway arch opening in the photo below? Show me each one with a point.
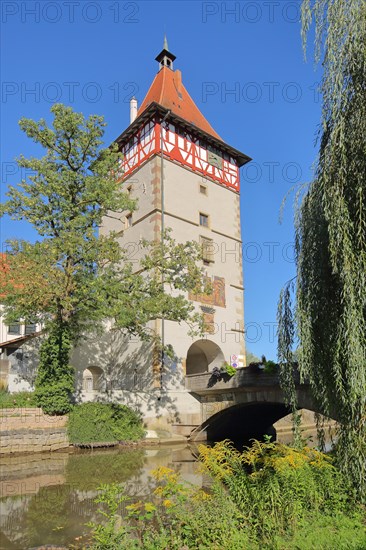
(203, 356)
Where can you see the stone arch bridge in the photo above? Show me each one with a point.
(244, 406)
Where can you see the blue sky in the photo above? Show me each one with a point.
(242, 63)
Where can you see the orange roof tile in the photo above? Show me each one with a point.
(167, 89)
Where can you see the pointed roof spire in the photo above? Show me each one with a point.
(168, 91)
(165, 58)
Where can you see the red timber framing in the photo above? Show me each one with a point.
(180, 144)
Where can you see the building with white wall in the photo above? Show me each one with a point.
(186, 178)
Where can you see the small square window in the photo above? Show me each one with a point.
(204, 220)
(30, 328)
(128, 221)
(129, 189)
(203, 189)
(14, 328)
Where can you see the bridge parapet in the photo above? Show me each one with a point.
(247, 378)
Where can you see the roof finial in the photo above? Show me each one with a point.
(165, 57)
(165, 46)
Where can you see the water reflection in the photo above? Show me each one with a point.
(48, 499)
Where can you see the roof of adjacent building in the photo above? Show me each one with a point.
(20, 340)
(168, 91)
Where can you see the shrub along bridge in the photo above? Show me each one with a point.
(242, 407)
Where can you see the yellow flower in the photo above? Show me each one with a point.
(134, 507)
(162, 472)
(149, 507)
(201, 496)
(167, 503)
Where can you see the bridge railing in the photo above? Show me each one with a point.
(249, 377)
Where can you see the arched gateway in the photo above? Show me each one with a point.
(244, 406)
(203, 356)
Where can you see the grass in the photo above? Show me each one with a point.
(16, 400)
(338, 531)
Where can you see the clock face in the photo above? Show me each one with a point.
(214, 159)
(181, 146)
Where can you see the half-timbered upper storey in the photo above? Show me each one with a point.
(168, 120)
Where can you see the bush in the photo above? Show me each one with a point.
(54, 398)
(228, 369)
(55, 377)
(271, 367)
(178, 516)
(104, 422)
(278, 486)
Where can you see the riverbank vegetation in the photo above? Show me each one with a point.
(16, 400)
(269, 496)
(103, 423)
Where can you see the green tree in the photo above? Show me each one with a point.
(250, 357)
(74, 277)
(329, 313)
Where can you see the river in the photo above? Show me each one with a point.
(47, 498)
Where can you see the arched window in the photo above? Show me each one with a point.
(92, 379)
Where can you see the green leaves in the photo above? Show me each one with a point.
(76, 277)
(330, 309)
(73, 186)
(104, 422)
(75, 274)
(55, 377)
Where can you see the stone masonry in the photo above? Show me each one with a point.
(24, 430)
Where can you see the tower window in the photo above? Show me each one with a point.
(14, 328)
(204, 220)
(30, 328)
(203, 189)
(207, 250)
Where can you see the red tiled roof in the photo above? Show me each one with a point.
(167, 89)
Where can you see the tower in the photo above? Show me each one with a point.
(186, 178)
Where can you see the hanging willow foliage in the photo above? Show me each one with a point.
(329, 313)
